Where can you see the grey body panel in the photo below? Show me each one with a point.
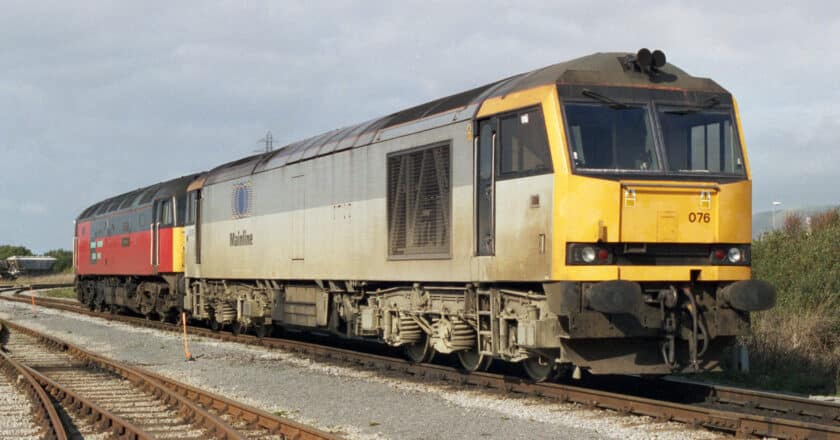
(326, 219)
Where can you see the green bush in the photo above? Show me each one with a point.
(796, 346)
(63, 260)
(7, 251)
(804, 266)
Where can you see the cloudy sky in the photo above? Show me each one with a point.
(100, 97)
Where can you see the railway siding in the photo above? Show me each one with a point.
(23, 410)
(357, 402)
(90, 385)
(740, 411)
(139, 404)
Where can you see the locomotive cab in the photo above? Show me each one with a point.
(651, 219)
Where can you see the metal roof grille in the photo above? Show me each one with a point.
(419, 203)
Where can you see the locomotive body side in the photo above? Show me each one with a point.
(325, 218)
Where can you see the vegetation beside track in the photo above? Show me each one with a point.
(796, 346)
(61, 292)
(56, 278)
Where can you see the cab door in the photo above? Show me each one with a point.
(485, 188)
(163, 221)
(155, 234)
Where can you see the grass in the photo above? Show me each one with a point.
(63, 292)
(796, 346)
(56, 278)
(286, 413)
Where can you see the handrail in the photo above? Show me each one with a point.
(671, 185)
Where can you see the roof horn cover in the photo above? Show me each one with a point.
(657, 59)
(643, 59)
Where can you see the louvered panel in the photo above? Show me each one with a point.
(419, 203)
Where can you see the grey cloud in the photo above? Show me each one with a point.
(33, 208)
(100, 97)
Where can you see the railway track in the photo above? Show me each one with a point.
(28, 412)
(742, 412)
(102, 397)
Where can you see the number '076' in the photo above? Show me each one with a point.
(699, 217)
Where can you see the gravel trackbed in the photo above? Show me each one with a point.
(349, 401)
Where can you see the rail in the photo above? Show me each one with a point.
(190, 400)
(44, 412)
(755, 413)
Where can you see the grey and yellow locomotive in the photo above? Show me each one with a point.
(592, 213)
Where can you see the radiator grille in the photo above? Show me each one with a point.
(419, 202)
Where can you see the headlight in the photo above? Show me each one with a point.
(734, 255)
(587, 254)
(738, 255)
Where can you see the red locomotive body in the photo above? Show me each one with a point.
(129, 249)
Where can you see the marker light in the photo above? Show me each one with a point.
(603, 254)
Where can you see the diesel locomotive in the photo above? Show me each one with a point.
(593, 213)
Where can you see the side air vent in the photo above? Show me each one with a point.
(419, 203)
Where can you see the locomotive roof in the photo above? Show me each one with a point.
(138, 197)
(30, 258)
(596, 69)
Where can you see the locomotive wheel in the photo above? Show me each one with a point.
(538, 369)
(471, 361)
(214, 325)
(113, 309)
(420, 352)
(236, 328)
(260, 330)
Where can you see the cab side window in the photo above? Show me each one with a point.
(165, 212)
(191, 205)
(523, 147)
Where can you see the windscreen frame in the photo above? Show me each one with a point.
(649, 118)
(736, 141)
(652, 98)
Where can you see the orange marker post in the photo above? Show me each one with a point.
(32, 295)
(187, 354)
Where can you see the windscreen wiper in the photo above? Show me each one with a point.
(612, 103)
(712, 102)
